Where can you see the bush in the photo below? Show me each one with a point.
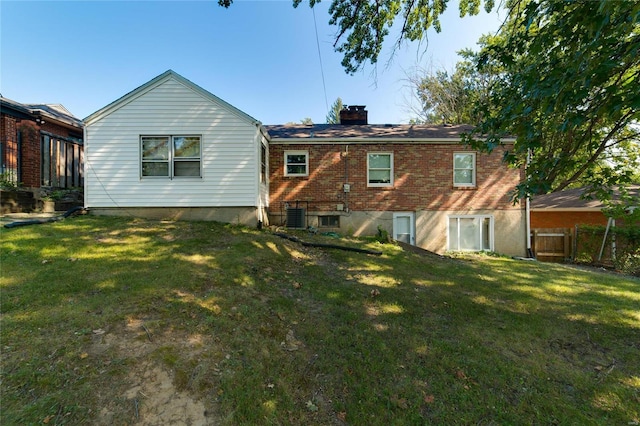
(7, 182)
(383, 235)
(625, 258)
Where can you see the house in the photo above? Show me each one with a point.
(416, 182)
(568, 208)
(170, 149)
(556, 216)
(41, 145)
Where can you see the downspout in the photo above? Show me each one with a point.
(528, 214)
(346, 178)
(528, 226)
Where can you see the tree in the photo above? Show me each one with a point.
(567, 89)
(307, 121)
(363, 25)
(333, 117)
(568, 93)
(451, 97)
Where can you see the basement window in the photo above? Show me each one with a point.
(332, 221)
(470, 233)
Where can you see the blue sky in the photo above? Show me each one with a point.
(260, 56)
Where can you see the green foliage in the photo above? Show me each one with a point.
(333, 117)
(382, 235)
(626, 240)
(452, 97)
(7, 182)
(569, 93)
(364, 25)
(564, 82)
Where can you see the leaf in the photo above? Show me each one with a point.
(47, 419)
(399, 402)
(311, 406)
(429, 399)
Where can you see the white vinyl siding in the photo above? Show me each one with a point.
(229, 152)
(470, 233)
(464, 169)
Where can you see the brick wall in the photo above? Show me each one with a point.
(30, 153)
(423, 179)
(31, 167)
(555, 219)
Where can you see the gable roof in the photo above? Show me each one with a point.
(571, 199)
(319, 133)
(155, 82)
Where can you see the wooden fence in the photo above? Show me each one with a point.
(552, 244)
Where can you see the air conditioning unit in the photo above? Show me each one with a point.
(296, 218)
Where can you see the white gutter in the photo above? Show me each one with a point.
(364, 140)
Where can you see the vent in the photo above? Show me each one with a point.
(296, 218)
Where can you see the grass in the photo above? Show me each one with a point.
(261, 330)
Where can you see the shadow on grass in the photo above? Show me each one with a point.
(304, 336)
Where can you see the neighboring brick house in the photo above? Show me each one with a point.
(557, 217)
(568, 208)
(40, 145)
(417, 182)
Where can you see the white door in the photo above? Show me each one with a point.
(403, 228)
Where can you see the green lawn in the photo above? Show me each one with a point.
(257, 329)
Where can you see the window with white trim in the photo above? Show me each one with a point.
(296, 163)
(470, 233)
(379, 169)
(171, 156)
(464, 169)
(263, 163)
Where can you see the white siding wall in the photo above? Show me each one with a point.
(229, 160)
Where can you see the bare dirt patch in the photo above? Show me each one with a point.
(148, 394)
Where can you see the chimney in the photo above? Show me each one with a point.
(354, 114)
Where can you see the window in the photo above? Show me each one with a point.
(171, 156)
(263, 163)
(470, 233)
(464, 169)
(332, 221)
(380, 169)
(296, 163)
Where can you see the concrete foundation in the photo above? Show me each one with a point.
(247, 216)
